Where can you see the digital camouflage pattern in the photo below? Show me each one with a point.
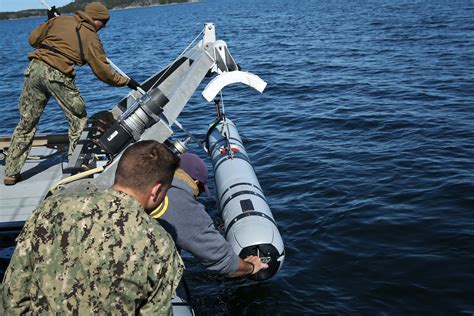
(96, 253)
(42, 81)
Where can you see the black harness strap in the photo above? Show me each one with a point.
(81, 49)
(44, 46)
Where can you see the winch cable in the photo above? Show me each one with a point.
(226, 134)
(177, 58)
(191, 136)
(218, 110)
(209, 131)
(139, 89)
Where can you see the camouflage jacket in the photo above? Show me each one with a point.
(97, 253)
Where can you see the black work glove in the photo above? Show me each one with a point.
(53, 12)
(132, 84)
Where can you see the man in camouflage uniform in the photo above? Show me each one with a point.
(99, 253)
(61, 43)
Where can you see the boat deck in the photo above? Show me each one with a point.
(39, 174)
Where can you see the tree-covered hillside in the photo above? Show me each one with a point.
(80, 4)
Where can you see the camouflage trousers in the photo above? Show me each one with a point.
(41, 82)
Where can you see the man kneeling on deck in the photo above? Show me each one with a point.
(99, 253)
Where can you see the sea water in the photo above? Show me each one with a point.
(363, 142)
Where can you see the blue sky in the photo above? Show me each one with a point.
(17, 5)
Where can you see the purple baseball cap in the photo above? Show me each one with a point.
(193, 165)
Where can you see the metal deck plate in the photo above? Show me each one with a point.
(38, 176)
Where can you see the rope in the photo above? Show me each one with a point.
(76, 177)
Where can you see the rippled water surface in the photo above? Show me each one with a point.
(363, 142)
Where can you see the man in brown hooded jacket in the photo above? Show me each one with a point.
(61, 43)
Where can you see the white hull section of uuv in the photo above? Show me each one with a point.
(249, 224)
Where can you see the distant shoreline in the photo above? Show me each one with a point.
(36, 13)
(153, 5)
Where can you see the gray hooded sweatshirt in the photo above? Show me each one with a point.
(193, 230)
